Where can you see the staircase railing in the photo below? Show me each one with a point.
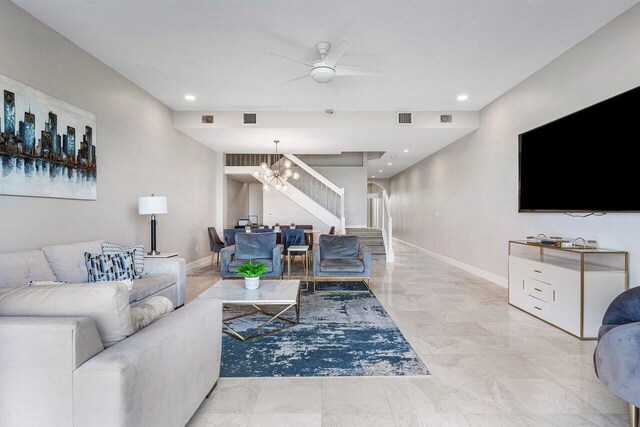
(317, 187)
(381, 219)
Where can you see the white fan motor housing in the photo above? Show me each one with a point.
(322, 73)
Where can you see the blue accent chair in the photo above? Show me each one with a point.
(341, 258)
(257, 247)
(617, 355)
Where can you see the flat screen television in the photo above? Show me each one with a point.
(584, 162)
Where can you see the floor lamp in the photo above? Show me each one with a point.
(153, 206)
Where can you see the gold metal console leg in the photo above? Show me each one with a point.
(633, 415)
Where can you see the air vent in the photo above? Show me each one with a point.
(446, 118)
(207, 119)
(405, 118)
(249, 118)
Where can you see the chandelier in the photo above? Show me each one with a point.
(278, 176)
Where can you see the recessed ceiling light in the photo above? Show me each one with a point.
(190, 97)
(373, 176)
(380, 171)
(389, 164)
(463, 97)
(406, 150)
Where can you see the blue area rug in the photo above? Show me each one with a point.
(348, 334)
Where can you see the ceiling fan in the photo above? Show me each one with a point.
(325, 69)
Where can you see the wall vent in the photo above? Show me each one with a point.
(405, 118)
(249, 118)
(446, 118)
(207, 118)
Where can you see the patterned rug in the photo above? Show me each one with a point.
(340, 334)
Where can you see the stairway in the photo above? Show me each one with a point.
(372, 238)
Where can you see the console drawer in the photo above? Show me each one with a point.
(540, 290)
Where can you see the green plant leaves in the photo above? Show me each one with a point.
(249, 269)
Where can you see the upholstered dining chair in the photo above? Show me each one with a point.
(215, 244)
(257, 247)
(617, 354)
(230, 235)
(332, 230)
(341, 258)
(293, 237)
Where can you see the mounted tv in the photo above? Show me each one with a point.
(584, 162)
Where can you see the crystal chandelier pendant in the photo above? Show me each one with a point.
(276, 177)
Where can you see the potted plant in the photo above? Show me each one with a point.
(293, 226)
(276, 227)
(251, 273)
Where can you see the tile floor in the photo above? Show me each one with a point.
(491, 365)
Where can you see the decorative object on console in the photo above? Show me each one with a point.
(153, 206)
(278, 176)
(109, 268)
(251, 273)
(570, 288)
(41, 154)
(138, 254)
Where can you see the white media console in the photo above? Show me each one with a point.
(570, 288)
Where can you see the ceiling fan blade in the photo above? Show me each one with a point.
(292, 59)
(333, 87)
(351, 71)
(293, 80)
(336, 52)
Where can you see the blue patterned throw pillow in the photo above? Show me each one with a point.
(138, 254)
(107, 268)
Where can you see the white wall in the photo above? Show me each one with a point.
(461, 202)
(138, 150)
(237, 201)
(255, 201)
(354, 182)
(278, 208)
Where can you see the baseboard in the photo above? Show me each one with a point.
(199, 263)
(494, 278)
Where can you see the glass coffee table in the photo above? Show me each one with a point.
(271, 293)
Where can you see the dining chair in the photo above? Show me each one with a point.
(215, 244)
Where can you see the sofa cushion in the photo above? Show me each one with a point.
(233, 265)
(150, 284)
(255, 245)
(106, 304)
(67, 261)
(102, 268)
(20, 268)
(342, 266)
(339, 247)
(150, 310)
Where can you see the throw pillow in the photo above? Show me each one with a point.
(150, 310)
(109, 268)
(138, 254)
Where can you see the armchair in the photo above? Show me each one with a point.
(341, 258)
(257, 247)
(618, 351)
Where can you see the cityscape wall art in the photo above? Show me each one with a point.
(47, 146)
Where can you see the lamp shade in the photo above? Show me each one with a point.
(152, 205)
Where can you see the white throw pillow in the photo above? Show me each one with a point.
(150, 310)
(107, 304)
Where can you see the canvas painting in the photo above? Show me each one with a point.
(47, 146)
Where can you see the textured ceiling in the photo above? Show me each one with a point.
(430, 51)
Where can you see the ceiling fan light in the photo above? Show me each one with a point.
(287, 164)
(296, 175)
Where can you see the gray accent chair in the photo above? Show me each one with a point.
(257, 247)
(341, 258)
(617, 355)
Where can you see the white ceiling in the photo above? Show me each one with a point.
(429, 50)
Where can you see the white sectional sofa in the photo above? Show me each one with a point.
(55, 369)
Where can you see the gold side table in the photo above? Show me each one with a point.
(304, 249)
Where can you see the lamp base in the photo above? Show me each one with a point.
(154, 252)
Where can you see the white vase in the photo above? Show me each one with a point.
(251, 282)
